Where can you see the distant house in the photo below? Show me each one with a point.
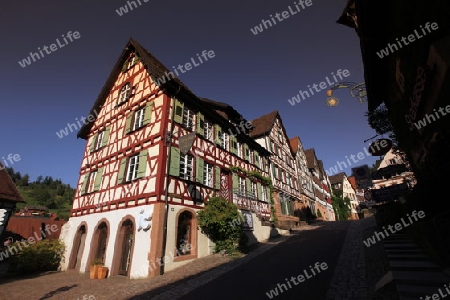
(9, 197)
(340, 182)
(35, 221)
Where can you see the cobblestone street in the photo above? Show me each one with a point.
(349, 280)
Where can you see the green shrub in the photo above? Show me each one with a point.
(218, 221)
(39, 257)
(319, 214)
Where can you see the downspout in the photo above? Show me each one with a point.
(168, 142)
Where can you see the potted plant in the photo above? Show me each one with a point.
(102, 272)
(94, 268)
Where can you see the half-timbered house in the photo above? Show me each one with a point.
(270, 133)
(154, 155)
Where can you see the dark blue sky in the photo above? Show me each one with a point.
(256, 74)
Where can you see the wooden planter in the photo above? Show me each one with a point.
(94, 271)
(102, 272)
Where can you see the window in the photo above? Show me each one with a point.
(239, 149)
(99, 141)
(208, 174)
(132, 169)
(264, 194)
(138, 118)
(241, 185)
(247, 154)
(125, 93)
(91, 183)
(209, 131)
(131, 61)
(188, 119)
(186, 166)
(225, 141)
(254, 189)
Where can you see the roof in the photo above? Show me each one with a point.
(352, 181)
(214, 109)
(310, 157)
(293, 142)
(263, 125)
(8, 190)
(338, 178)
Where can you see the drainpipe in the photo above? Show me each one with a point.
(168, 142)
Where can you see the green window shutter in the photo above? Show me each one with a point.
(135, 59)
(106, 136)
(233, 144)
(93, 142)
(218, 132)
(199, 169)
(122, 170)
(148, 112)
(179, 106)
(98, 179)
(283, 206)
(268, 193)
(271, 145)
(217, 177)
(174, 168)
(200, 123)
(84, 186)
(248, 186)
(246, 152)
(256, 159)
(235, 183)
(274, 171)
(259, 190)
(142, 164)
(125, 66)
(128, 123)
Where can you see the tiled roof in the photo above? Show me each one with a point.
(310, 157)
(8, 190)
(338, 178)
(293, 142)
(263, 124)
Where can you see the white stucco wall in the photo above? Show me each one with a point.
(139, 263)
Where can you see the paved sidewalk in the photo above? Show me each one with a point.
(172, 285)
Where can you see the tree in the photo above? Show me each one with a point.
(218, 221)
(379, 120)
(319, 214)
(341, 206)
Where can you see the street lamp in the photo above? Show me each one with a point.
(356, 90)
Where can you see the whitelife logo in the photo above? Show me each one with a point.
(274, 292)
(411, 38)
(53, 47)
(284, 15)
(323, 85)
(398, 226)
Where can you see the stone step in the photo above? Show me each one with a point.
(400, 246)
(406, 256)
(424, 278)
(417, 291)
(406, 251)
(413, 265)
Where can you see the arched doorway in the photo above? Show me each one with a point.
(98, 245)
(186, 234)
(126, 235)
(77, 248)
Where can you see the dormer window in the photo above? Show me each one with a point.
(124, 94)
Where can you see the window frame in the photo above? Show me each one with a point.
(186, 166)
(125, 93)
(138, 115)
(188, 115)
(133, 162)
